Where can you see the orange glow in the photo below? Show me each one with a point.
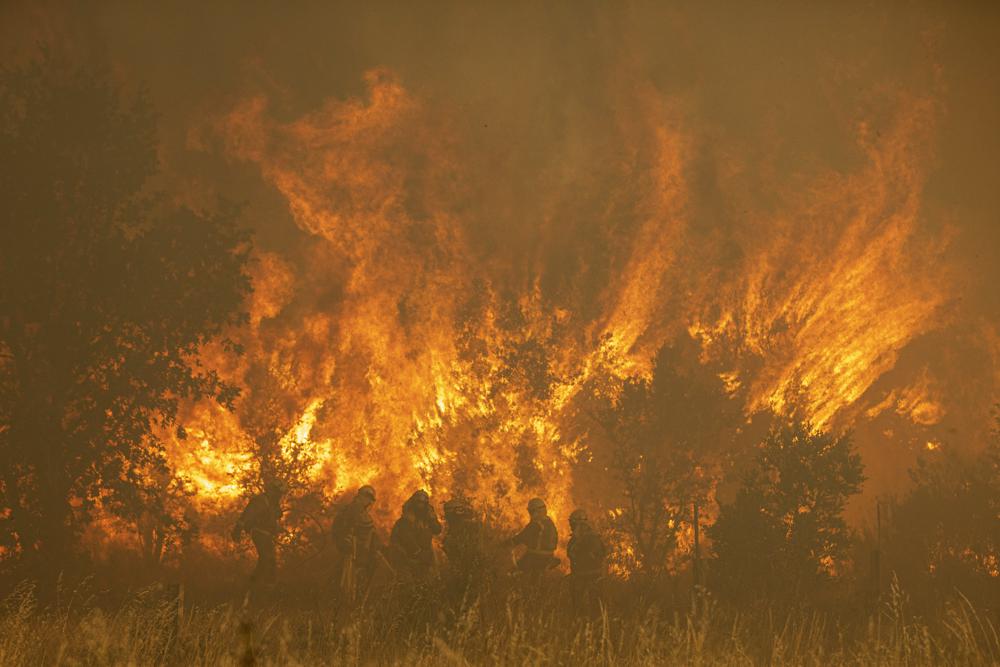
(822, 304)
(390, 343)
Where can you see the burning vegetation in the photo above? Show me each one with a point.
(728, 364)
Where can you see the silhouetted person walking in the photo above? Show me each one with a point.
(261, 518)
(411, 541)
(353, 534)
(539, 538)
(587, 555)
(462, 542)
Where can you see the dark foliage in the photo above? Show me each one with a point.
(663, 431)
(784, 535)
(945, 533)
(106, 297)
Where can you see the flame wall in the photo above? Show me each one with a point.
(465, 214)
(406, 350)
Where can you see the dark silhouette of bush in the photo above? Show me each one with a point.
(784, 534)
(945, 533)
(107, 294)
(664, 434)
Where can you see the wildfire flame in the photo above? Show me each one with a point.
(407, 348)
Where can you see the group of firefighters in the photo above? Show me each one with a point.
(410, 552)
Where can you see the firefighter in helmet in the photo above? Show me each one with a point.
(587, 555)
(411, 540)
(539, 538)
(353, 533)
(261, 519)
(462, 541)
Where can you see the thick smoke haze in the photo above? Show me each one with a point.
(809, 191)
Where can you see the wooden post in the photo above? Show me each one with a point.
(877, 554)
(175, 603)
(696, 567)
(179, 617)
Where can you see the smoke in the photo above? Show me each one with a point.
(463, 213)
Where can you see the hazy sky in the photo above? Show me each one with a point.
(777, 86)
(756, 74)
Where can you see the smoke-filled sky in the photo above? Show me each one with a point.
(816, 180)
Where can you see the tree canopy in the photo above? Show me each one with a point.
(107, 295)
(664, 432)
(784, 533)
(944, 533)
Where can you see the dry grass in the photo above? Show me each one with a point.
(415, 627)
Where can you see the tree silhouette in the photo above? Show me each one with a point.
(945, 533)
(785, 534)
(663, 431)
(107, 294)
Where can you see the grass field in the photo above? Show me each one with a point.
(505, 625)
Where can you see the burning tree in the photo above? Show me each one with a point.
(107, 296)
(945, 533)
(663, 432)
(268, 412)
(785, 533)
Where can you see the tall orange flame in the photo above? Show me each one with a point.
(402, 352)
